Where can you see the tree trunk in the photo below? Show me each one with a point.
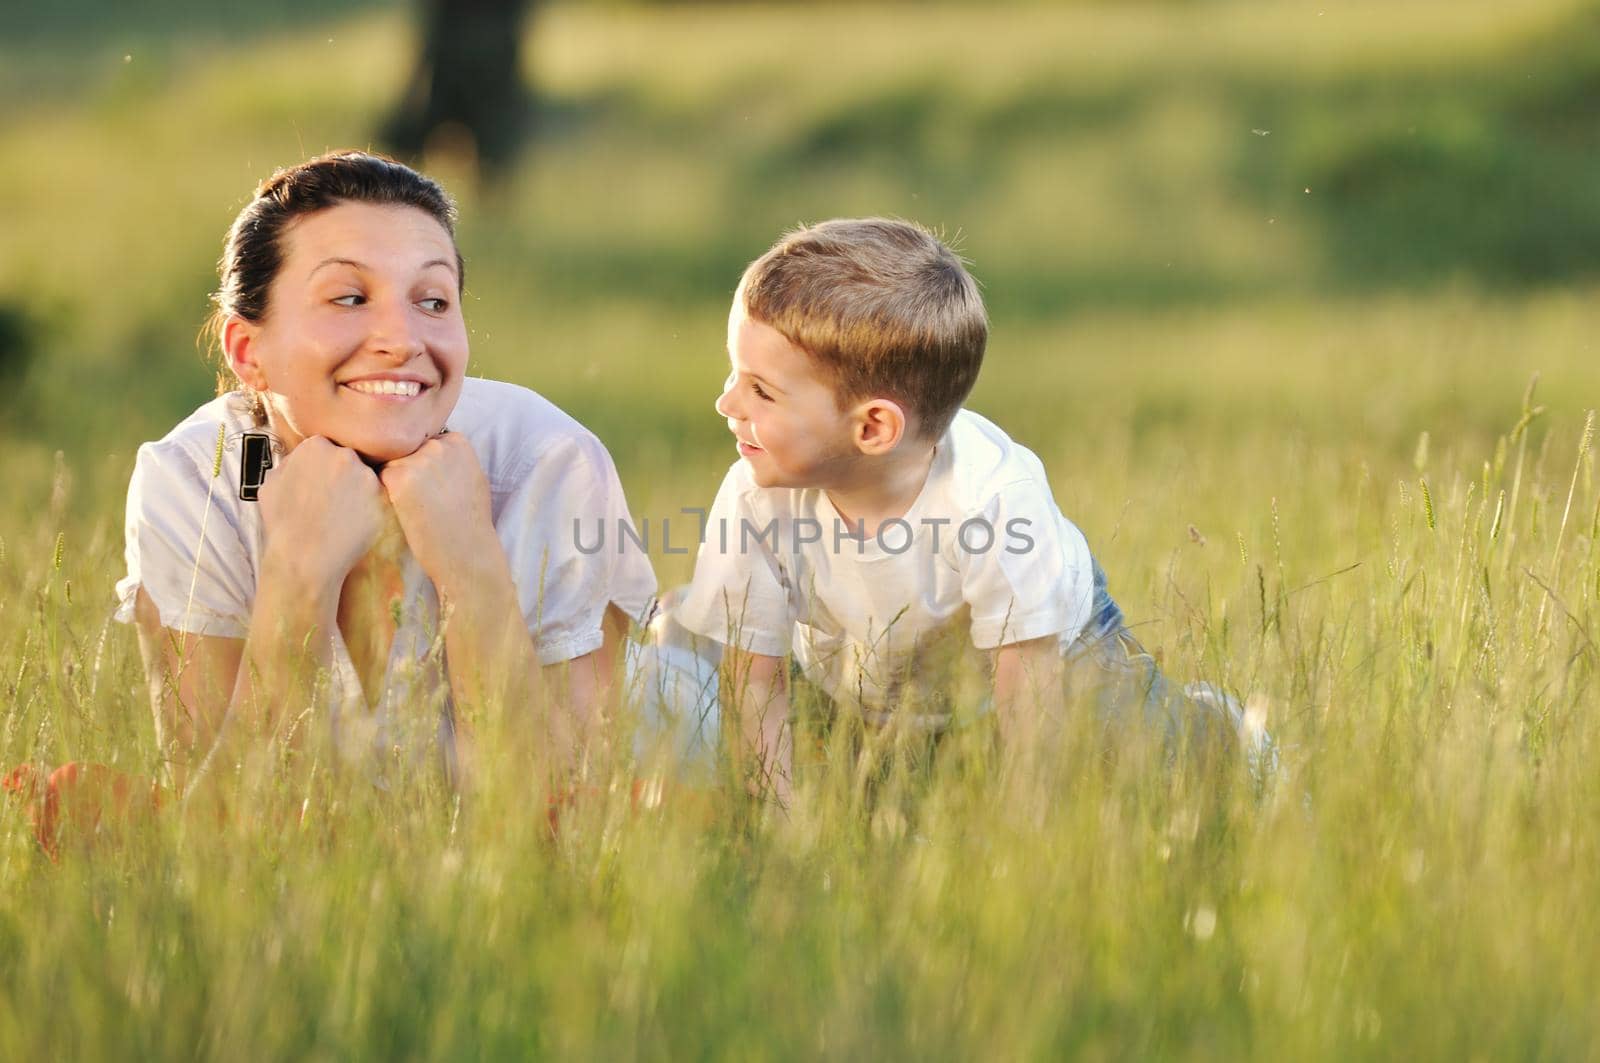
(467, 84)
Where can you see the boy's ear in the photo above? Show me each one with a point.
(238, 347)
(879, 425)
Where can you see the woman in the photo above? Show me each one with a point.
(411, 542)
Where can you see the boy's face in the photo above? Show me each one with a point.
(363, 342)
(789, 429)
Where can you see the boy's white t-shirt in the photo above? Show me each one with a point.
(984, 552)
(195, 547)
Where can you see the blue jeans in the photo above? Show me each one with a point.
(1107, 660)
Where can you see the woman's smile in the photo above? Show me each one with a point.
(392, 389)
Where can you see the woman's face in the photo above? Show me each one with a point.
(363, 341)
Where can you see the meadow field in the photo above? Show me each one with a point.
(1296, 301)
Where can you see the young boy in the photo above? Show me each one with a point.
(870, 522)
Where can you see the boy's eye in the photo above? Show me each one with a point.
(349, 300)
(759, 393)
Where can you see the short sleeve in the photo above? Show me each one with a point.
(563, 528)
(184, 546)
(739, 596)
(1036, 576)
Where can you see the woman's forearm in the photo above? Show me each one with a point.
(489, 653)
(288, 648)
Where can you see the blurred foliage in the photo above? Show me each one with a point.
(19, 343)
(1493, 172)
(16, 343)
(48, 47)
(86, 24)
(1191, 216)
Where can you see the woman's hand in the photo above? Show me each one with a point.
(322, 508)
(441, 496)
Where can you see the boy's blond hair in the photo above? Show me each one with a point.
(881, 306)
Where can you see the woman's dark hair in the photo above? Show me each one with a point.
(253, 253)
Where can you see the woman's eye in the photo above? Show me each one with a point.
(435, 306)
(349, 300)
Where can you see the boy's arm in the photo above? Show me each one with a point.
(1028, 679)
(755, 687)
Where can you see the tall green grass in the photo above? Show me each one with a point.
(1420, 879)
(1336, 498)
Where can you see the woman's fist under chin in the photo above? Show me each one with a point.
(322, 508)
(441, 497)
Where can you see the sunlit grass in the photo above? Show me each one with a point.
(1240, 437)
(1421, 878)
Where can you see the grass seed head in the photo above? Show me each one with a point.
(216, 461)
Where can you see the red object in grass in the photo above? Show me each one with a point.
(77, 799)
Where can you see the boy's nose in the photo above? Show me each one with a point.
(724, 404)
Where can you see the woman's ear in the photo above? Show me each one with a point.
(239, 348)
(880, 424)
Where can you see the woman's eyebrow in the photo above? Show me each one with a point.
(336, 261)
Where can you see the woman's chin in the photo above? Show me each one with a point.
(376, 452)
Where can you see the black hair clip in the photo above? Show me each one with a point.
(255, 458)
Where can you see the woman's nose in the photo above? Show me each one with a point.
(395, 332)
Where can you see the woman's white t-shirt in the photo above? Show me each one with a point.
(195, 547)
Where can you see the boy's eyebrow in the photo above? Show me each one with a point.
(336, 261)
(763, 381)
(769, 385)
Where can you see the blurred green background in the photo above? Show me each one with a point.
(1269, 281)
(1220, 241)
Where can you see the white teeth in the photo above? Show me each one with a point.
(407, 388)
